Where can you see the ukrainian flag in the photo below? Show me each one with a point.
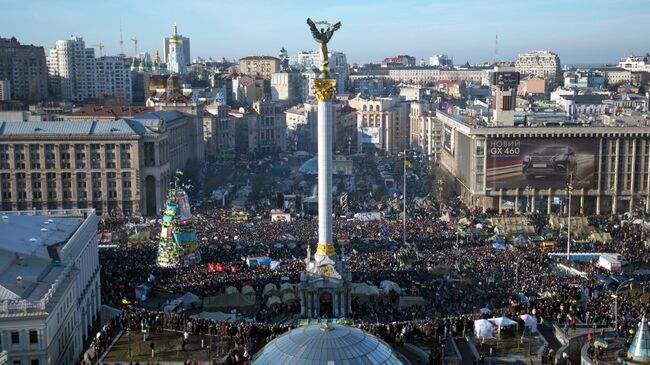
(601, 343)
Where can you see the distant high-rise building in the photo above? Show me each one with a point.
(177, 55)
(70, 65)
(339, 67)
(5, 90)
(25, 68)
(76, 75)
(544, 64)
(259, 66)
(113, 79)
(441, 60)
(185, 51)
(286, 85)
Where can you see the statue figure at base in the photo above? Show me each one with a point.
(323, 36)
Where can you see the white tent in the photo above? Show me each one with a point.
(231, 290)
(190, 300)
(483, 328)
(287, 297)
(270, 289)
(216, 316)
(286, 287)
(248, 291)
(273, 301)
(529, 322)
(502, 322)
(388, 285)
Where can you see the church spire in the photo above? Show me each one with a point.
(174, 31)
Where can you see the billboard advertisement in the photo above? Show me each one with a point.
(540, 163)
(505, 79)
(449, 142)
(370, 135)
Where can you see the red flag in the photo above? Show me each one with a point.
(210, 266)
(233, 269)
(219, 267)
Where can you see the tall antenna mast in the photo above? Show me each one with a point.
(121, 40)
(496, 48)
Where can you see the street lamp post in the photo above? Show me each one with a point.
(615, 296)
(404, 202)
(528, 198)
(569, 189)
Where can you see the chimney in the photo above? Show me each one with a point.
(19, 281)
(5, 219)
(43, 233)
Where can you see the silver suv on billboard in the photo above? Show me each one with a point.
(550, 161)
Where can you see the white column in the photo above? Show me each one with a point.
(325, 118)
(302, 303)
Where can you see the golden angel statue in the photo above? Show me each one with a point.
(323, 36)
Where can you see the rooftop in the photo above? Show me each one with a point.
(115, 112)
(29, 245)
(334, 344)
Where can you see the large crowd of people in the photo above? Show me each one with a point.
(457, 270)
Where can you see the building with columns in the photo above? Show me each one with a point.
(49, 284)
(529, 168)
(122, 166)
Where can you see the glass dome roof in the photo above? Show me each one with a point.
(332, 345)
(310, 167)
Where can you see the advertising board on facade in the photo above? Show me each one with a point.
(370, 135)
(539, 163)
(449, 142)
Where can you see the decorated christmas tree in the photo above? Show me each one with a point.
(178, 246)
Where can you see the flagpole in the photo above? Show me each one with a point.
(404, 200)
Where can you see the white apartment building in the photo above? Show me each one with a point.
(5, 90)
(76, 75)
(338, 65)
(382, 122)
(286, 86)
(441, 60)
(49, 285)
(71, 67)
(426, 131)
(544, 64)
(113, 79)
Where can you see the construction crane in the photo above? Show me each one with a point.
(121, 41)
(100, 46)
(135, 43)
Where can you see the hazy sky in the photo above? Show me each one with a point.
(580, 31)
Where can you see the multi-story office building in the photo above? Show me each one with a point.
(260, 130)
(426, 130)
(580, 79)
(259, 66)
(428, 75)
(338, 63)
(5, 90)
(441, 60)
(174, 100)
(49, 276)
(112, 79)
(529, 168)
(287, 86)
(382, 123)
(544, 64)
(635, 63)
(25, 68)
(121, 166)
(218, 129)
